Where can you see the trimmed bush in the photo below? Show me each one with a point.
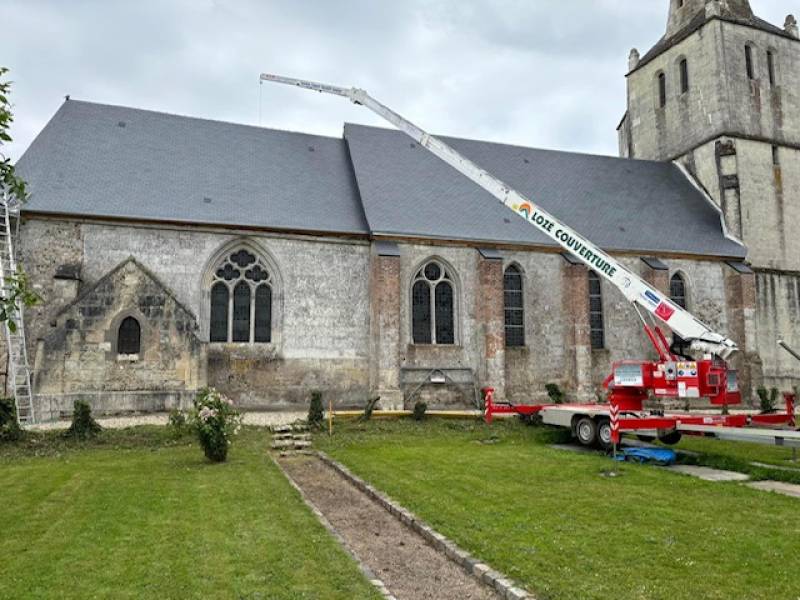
(316, 414)
(419, 410)
(83, 424)
(768, 399)
(216, 421)
(9, 428)
(176, 423)
(555, 393)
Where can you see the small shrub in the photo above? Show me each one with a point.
(419, 410)
(177, 423)
(83, 424)
(316, 414)
(369, 408)
(9, 428)
(555, 393)
(216, 421)
(768, 399)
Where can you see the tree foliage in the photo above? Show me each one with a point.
(19, 292)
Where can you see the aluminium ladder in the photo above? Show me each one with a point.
(18, 371)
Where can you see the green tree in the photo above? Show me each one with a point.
(19, 292)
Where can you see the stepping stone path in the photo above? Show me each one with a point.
(708, 474)
(291, 439)
(787, 489)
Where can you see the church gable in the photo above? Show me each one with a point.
(127, 333)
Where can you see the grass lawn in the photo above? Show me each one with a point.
(551, 519)
(743, 451)
(138, 515)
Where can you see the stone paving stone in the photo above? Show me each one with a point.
(708, 474)
(787, 489)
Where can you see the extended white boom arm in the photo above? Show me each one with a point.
(636, 290)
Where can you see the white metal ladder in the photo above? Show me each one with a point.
(19, 373)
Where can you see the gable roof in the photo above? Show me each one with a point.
(111, 161)
(100, 161)
(699, 21)
(619, 204)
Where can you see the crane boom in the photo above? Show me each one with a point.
(701, 337)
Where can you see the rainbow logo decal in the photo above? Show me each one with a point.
(524, 209)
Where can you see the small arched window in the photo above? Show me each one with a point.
(683, 68)
(514, 305)
(677, 290)
(129, 337)
(433, 306)
(241, 300)
(748, 62)
(677, 293)
(662, 90)
(596, 324)
(771, 66)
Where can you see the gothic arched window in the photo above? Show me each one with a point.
(433, 306)
(596, 324)
(241, 300)
(677, 290)
(771, 66)
(677, 293)
(129, 337)
(514, 306)
(662, 90)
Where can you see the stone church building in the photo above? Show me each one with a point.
(173, 253)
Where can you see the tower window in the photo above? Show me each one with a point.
(684, 71)
(771, 67)
(662, 90)
(776, 158)
(596, 325)
(748, 59)
(129, 337)
(514, 307)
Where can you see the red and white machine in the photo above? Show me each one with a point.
(630, 382)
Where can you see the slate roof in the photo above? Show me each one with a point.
(94, 160)
(110, 161)
(619, 204)
(699, 20)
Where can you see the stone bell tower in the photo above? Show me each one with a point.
(719, 94)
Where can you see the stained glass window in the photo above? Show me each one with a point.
(514, 307)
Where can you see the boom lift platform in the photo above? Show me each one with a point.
(630, 382)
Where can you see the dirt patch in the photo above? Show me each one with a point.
(410, 568)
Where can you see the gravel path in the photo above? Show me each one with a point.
(410, 568)
(263, 419)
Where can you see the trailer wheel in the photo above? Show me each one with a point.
(670, 439)
(586, 431)
(604, 434)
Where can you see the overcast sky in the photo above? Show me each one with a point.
(540, 73)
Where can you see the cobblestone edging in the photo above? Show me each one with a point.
(505, 587)
(379, 585)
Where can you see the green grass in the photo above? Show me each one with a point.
(137, 514)
(743, 451)
(553, 521)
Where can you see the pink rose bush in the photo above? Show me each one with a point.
(216, 421)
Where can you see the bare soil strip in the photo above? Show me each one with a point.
(410, 568)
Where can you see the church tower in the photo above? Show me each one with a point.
(719, 94)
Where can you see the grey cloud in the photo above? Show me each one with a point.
(534, 72)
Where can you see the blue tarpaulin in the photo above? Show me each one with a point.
(659, 456)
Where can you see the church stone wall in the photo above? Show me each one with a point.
(321, 303)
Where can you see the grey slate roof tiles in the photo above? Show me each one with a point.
(94, 160)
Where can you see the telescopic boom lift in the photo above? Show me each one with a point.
(631, 381)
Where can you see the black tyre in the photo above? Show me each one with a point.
(604, 434)
(586, 431)
(670, 439)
